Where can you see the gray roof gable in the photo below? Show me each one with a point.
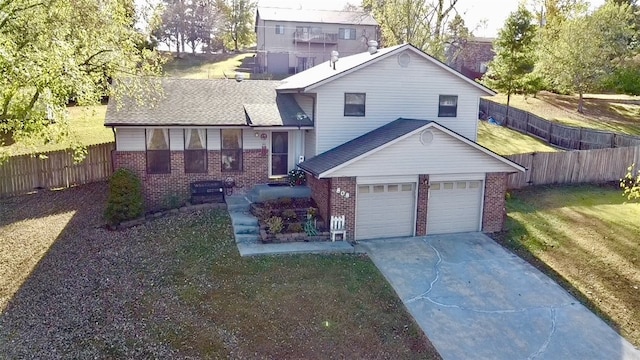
(361, 145)
(206, 102)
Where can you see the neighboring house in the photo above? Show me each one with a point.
(472, 57)
(386, 138)
(290, 41)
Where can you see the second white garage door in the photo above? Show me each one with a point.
(385, 210)
(454, 206)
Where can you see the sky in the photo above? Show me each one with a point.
(473, 11)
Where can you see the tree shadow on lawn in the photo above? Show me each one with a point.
(73, 287)
(539, 197)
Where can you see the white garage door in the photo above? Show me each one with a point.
(454, 206)
(385, 210)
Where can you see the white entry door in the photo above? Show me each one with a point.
(454, 206)
(385, 210)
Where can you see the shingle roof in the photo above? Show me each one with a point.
(284, 112)
(361, 145)
(199, 102)
(325, 72)
(316, 16)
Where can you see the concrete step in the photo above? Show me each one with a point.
(237, 203)
(246, 229)
(240, 218)
(247, 238)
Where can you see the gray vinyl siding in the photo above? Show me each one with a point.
(130, 139)
(444, 155)
(310, 144)
(391, 92)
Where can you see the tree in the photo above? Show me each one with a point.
(456, 38)
(515, 55)
(630, 184)
(418, 22)
(237, 22)
(588, 49)
(54, 51)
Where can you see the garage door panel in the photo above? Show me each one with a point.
(385, 210)
(454, 206)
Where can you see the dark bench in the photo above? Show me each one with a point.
(207, 191)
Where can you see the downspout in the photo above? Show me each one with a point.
(115, 142)
(313, 116)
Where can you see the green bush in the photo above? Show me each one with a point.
(125, 197)
(289, 215)
(275, 224)
(295, 228)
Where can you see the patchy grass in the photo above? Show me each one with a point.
(176, 287)
(617, 113)
(86, 124)
(505, 141)
(204, 66)
(586, 238)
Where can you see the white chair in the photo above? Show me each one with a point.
(337, 227)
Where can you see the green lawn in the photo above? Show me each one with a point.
(617, 113)
(202, 66)
(176, 287)
(86, 124)
(505, 141)
(586, 237)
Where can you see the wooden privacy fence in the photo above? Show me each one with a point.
(569, 167)
(562, 136)
(25, 173)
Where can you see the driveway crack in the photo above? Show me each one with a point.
(436, 268)
(544, 346)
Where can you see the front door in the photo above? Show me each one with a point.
(279, 153)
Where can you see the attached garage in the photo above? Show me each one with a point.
(385, 210)
(454, 206)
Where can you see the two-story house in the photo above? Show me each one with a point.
(472, 57)
(387, 138)
(290, 41)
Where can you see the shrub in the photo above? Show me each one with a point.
(285, 202)
(275, 224)
(125, 197)
(294, 228)
(312, 212)
(630, 184)
(297, 177)
(289, 215)
(262, 213)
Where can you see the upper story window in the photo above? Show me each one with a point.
(279, 29)
(354, 104)
(195, 151)
(347, 33)
(448, 106)
(158, 153)
(231, 149)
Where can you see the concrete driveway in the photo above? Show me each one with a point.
(475, 300)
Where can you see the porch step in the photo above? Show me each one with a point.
(237, 203)
(246, 229)
(247, 238)
(240, 218)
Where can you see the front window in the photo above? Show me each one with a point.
(231, 154)
(347, 33)
(448, 106)
(158, 153)
(279, 29)
(195, 151)
(354, 104)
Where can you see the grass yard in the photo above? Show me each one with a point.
(203, 66)
(617, 113)
(86, 124)
(586, 238)
(177, 288)
(505, 141)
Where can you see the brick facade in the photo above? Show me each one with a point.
(320, 194)
(423, 201)
(340, 205)
(494, 212)
(159, 188)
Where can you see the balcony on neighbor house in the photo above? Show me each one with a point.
(314, 37)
